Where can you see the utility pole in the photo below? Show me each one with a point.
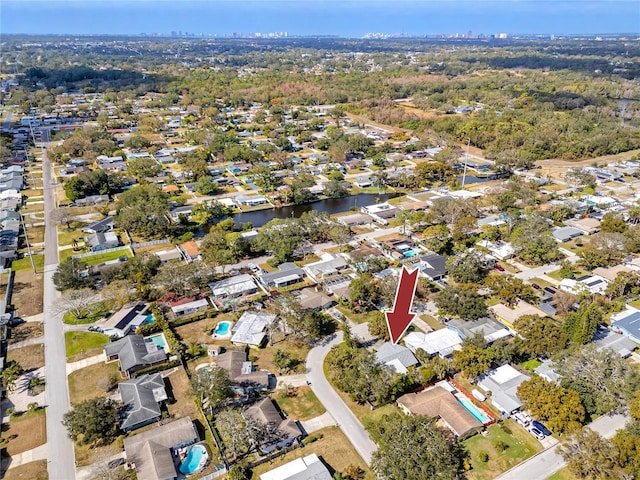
(466, 159)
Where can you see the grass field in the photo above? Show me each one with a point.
(334, 448)
(299, 403)
(32, 471)
(432, 321)
(355, 317)
(29, 357)
(28, 291)
(25, 263)
(106, 257)
(563, 474)
(84, 383)
(81, 345)
(263, 357)
(25, 432)
(520, 446)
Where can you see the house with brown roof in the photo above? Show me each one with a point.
(283, 431)
(241, 373)
(436, 402)
(190, 250)
(152, 451)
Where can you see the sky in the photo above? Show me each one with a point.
(350, 18)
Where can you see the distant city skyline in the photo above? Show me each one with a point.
(353, 18)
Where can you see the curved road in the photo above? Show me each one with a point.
(347, 421)
(61, 459)
(544, 464)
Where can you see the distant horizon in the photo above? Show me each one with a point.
(311, 18)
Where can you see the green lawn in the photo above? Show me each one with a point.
(563, 474)
(432, 321)
(84, 344)
(105, 257)
(299, 403)
(531, 364)
(520, 446)
(355, 317)
(66, 237)
(31, 208)
(25, 263)
(92, 314)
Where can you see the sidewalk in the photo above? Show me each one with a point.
(38, 453)
(85, 362)
(317, 423)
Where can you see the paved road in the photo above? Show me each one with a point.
(61, 464)
(548, 462)
(347, 421)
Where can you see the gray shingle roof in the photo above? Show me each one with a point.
(389, 351)
(141, 398)
(133, 351)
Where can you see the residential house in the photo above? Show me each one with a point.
(153, 453)
(588, 225)
(610, 273)
(190, 251)
(507, 316)
(250, 329)
(433, 266)
(288, 273)
(141, 399)
(441, 342)
(381, 212)
(588, 284)
(438, 402)
(614, 341)
(285, 430)
(311, 299)
(101, 226)
(102, 241)
(251, 200)
(547, 372)
(133, 352)
(627, 323)
(233, 287)
(354, 219)
(189, 306)
(565, 234)
(178, 212)
(327, 267)
(92, 200)
(126, 320)
(395, 356)
(305, 468)
(500, 250)
(490, 329)
(241, 372)
(503, 383)
(169, 255)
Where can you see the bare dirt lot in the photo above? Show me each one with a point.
(27, 293)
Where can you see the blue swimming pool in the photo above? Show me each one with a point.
(195, 460)
(158, 340)
(473, 410)
(149, 319)
(222, 328)
(411, 253)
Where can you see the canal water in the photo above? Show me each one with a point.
(330, 205)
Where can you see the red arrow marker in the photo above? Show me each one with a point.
(398, 321)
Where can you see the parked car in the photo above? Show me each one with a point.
(16, 321)
(253, 268)
(499, 267)
(522, 418)
(115, 463)
(536, 286)
(541, 427)
(536, 433)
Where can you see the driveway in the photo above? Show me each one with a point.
(345, 419)
(544, 464)
(61, 457)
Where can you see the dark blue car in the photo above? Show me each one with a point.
(541, 427)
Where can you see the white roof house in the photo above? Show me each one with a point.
(250, 328)
(500, 250)
(592, 284)
(305, 468)
(441, 342)
(190, 307)
(235, 286)
(503, 383)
